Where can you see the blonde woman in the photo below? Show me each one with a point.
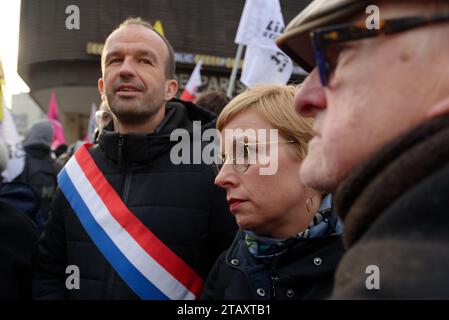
(289, 241)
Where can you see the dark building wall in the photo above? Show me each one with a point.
(52, 57)
(194, 26)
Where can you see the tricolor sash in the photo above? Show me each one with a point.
(147, 266)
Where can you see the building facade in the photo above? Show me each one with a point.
(58, 53)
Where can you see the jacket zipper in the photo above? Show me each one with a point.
(127, 186)
(274, 279)
(121, 142)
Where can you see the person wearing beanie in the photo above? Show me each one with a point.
(40, 134)
(40, 169)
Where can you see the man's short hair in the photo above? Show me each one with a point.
(213, 101)
(170, 64)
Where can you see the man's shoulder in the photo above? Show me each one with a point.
(98, 155)
(95, 149)
(406, 244)
(427, 196)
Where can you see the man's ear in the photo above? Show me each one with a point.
(438, 109)
(101, 87)
(171, 88)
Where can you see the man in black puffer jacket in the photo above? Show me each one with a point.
(178, 203)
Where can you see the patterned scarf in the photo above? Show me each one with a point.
(323, 224)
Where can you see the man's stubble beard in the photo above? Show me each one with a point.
(141, 113)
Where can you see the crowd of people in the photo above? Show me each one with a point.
(356, 207)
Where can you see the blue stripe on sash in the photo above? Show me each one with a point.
(135, 280)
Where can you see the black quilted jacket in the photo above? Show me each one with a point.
(178, 203)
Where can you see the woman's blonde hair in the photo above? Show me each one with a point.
(275, 104)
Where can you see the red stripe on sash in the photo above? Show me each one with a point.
(149, 242)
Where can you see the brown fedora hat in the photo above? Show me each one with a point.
(295, 41)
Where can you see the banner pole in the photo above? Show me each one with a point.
(235, 68)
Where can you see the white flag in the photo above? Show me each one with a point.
(261, 23)
(13, 141)
(264, 66)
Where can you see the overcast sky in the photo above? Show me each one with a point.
(9, 26)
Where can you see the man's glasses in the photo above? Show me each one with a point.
(327, 41)
(245, 158)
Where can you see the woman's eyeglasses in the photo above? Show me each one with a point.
(245, 158)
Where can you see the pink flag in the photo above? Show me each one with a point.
(191, 90)
(53, 116)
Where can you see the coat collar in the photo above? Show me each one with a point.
(376, 184)
(239, 257)
(142, 148)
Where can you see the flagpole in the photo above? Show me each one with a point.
(235, 68)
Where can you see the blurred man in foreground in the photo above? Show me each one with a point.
(380, 99)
